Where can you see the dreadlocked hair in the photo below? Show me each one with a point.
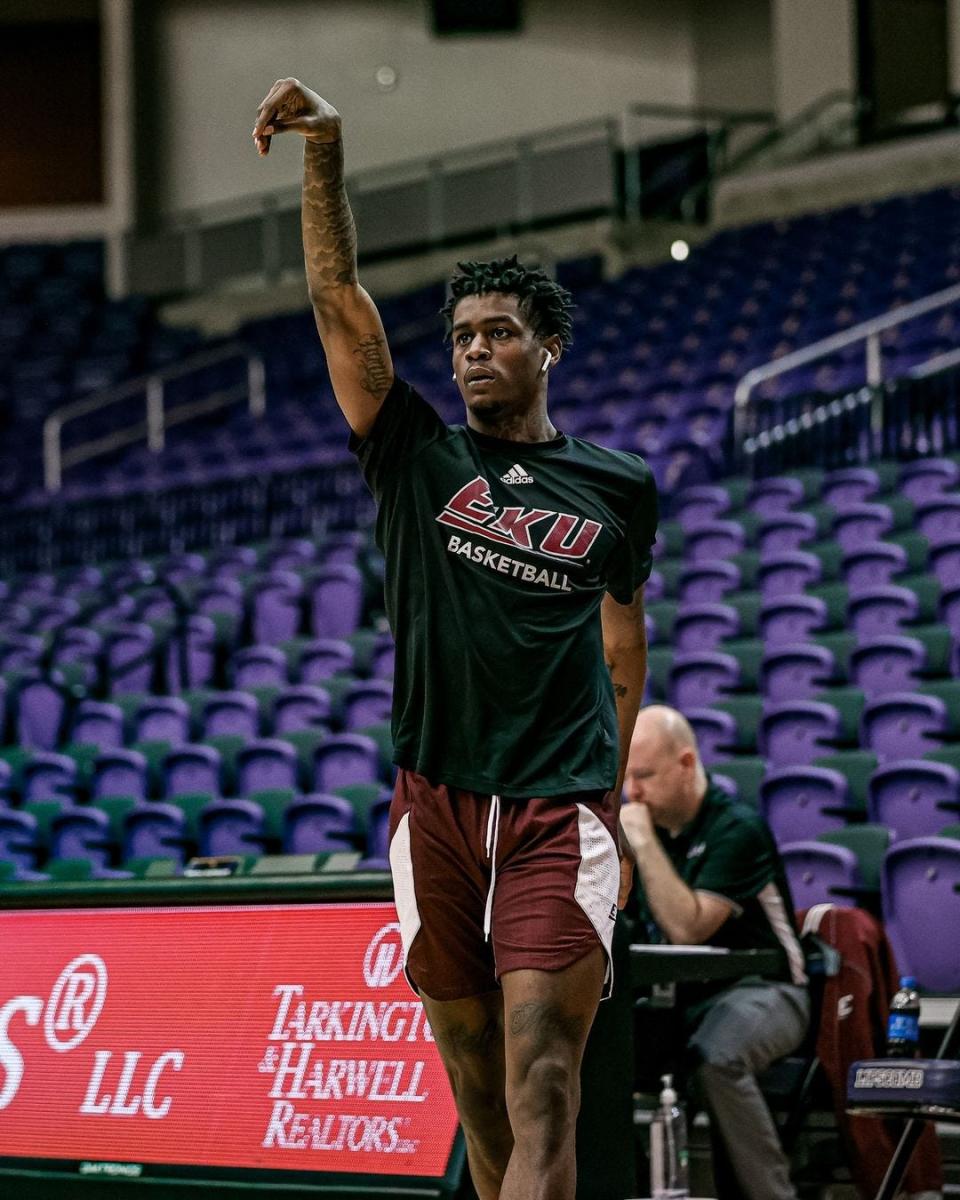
(544, 303)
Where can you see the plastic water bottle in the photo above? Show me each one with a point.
(669, 1173)
(903, 1025)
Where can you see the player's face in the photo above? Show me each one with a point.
(496, 356)
(658, 775)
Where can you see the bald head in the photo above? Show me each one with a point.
(658, 722)
(663, 768)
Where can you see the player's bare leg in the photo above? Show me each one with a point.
(469, 1035)
(548, 1015)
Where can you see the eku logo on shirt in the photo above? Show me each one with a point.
(566, 537)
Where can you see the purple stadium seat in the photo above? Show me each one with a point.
(920, 890)
(300, 706)
(163, 719)
(858, 525)
(795, 733)
(799, 803)
(155, 830)
(796, 671)
(48, 776)
(944, 562)
(378, 828)
(880, 665)
(367, 703)
(345, 759)
(317, 824)
(231, 561)
(714, 540)
(130, 653)
(20, 651)
(383, 657)
(873, 564)
(53, 613)
(231, 713)
(336, 601)
(18, 843)
(201, 643)
(323, 658)
(266, 764)
(849, 485)
(655, 588)
(768, 497)
(275, 605)
(98, 724)
(119, 773)
(788, 573)
(41, 709)
(702, 502)
(939, 519)
(220, 595)
(708, 582)
(876, 611)
(291, 554)
(180, 568)
(914, 797)
(190, 769)
(699, 679)
(83, 831)
(928, 478)
(786, 531)
(699, 627)
(790, 619)
(259, 666)
(903, 725)
(231, 827)
(716, 733)
(341, 547)
(815, 869)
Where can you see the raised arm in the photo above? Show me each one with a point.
(349, 325)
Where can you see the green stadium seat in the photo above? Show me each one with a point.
(69, 870)
(747, 605)
(869, 843)
(830, 554)
(849, 702)
(305, 742)
(927, 590)
(659, 662)
(382, 735)
(749, 654)
(746, 711)
(662, 613)
(44, 812)
(152, 867)
(116, 808)
(746, 773)
(228, 746)
(362, 797)
(274, 802)
(670, 569)
(671, 537)
(947, 690)
(747, 563)
(917, 548)
(840, 646)
(951, 831)
(857, 766)
(938, 643)
(835, 596)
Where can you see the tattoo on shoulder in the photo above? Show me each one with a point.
(374, 369)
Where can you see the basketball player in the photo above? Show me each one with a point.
(515, 560)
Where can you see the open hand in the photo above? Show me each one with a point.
(290, 107)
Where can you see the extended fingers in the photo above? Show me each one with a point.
(265, 123)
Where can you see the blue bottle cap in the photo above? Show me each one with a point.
(907, 981)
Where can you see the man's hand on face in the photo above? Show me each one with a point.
(637, 825)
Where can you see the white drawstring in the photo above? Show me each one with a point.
(493, 828)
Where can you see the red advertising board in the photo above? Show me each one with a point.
(278, 1037)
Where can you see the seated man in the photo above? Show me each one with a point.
(709, 874)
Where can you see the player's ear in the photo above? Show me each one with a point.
(554, 347)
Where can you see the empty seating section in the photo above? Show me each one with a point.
(236, 699)
(257, 725)
(815, 654)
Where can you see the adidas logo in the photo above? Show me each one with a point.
(516, 474)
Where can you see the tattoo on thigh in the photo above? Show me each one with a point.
(546, 1023)
(461, 1039)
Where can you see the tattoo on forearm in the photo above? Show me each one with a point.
(620, 689)
(329, 234)
(375, 373)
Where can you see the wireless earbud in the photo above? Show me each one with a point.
(454, 377)
(546, 362)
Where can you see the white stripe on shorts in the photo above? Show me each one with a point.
(598, 882)
(405, 898)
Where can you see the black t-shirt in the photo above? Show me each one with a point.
(498, 554)
(728, 851)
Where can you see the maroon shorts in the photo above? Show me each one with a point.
(485, 885)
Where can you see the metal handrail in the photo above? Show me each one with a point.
(867, 331)
(157, 417)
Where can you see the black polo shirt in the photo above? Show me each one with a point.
(728, 851)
